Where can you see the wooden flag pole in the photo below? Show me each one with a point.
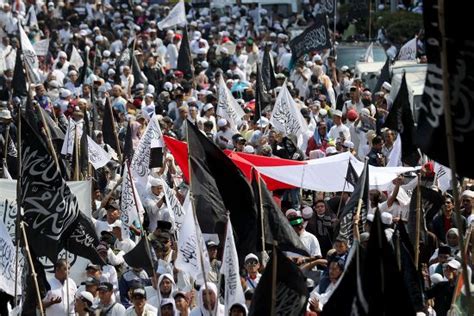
(33, 270)
(48, 135)
(418, 223)
(451, 152)
(76, 154)
(343, 191)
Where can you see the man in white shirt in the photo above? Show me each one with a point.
(339, 130)
(252, 264)
(310, 241)
(59, 300)
(107, 304)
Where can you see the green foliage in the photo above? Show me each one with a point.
(399, 26)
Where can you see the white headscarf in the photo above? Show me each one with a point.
(202, 310)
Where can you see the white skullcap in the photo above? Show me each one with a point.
(468, 193)
(292, 211)
(62, 54)
(155, 182)
(207, 107)
(307, 212)
(106, 53)
(387, 218)
(221, 122)
(387, 86)
(323, 112)
(336, 113)
(249, 149)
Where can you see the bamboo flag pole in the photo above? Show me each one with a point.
(33, 271)
(451, 152)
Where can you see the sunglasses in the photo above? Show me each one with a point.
(252, 263)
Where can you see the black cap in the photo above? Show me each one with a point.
(105, 286)
(91, 281)
(112, 206)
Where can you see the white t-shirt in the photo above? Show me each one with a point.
(335, 131)
(59, 289)
(311, 243)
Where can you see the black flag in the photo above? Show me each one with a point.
(411, 276)
(108, 126)
(262, 99)
(185, 62)
(276, 226)
(84, 70)
(314, 38)
(400, 119)
(138, 75)
(431, 134)
(218, 185)
(128, 146)
(19, 78)
(361, 189)
(51, 211)
(348, 297)
(384, 76)
(140, 256)
(386, 280)
(268, 75)
(351, 176)
(291, 290)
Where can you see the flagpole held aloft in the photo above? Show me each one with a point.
(361, 199)
(32, 266)
(418, 223)
(274, 277)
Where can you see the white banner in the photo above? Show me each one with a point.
(140, 165)
(98, 157)
(130, 204)
(408, 51)
(227, 106)
(68, 144)
(369, 54)
(41, 47)
(176, 16)
(31, 18)
(189, 254)
(286, 118)
(233, 292)
(76, 58)
(7, 263)
(174, 206)
(29, 56)
(8, 213)
(442, 177)
(395, 156)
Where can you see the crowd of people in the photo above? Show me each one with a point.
(341, 113)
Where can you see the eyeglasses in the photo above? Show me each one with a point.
(251, 262)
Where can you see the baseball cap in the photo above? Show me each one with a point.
(251, 256)
(139, 292)
(211, 243)
(453, 263)
(105, 286)
(90, 265)
(91, 281)
(84, 295)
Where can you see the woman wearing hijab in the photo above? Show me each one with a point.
(167, 307)
(320, 139)
(207, 300)
(452, 241)
(166, 286)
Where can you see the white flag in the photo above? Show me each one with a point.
(68, 144)
(369, 54)
(175, 207)
(31, 17)
(176, 16)
(227, 106)
(130, 204)
(408, 51)
(286, 118)
(29, 56)
(395, 156)
(7, 263)
(41, 47)
(76, 59)
(140, 165)
(233, 292)
(98, 157)
(442, 177)
(189, 252)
